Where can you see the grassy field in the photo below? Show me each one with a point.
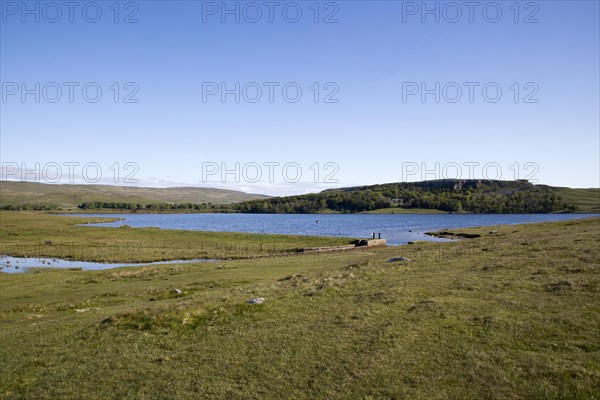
(69, 196)
(36, 234)
(510, 315)
(587, 200)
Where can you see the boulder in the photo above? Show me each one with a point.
(396, 259)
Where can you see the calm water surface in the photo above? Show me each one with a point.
(396, 228)
(15, 265)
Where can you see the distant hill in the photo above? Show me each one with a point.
(471, 196)
(451, 195)
(586, 200)
(70, 195)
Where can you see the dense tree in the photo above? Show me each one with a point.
(477, 196)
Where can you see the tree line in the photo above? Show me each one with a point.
(29, 207)
(474, 196)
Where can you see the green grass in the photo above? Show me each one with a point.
(38, 234)
(68, 196)
(509, 315)
(587, 200)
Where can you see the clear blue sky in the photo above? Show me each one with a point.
(374, 54)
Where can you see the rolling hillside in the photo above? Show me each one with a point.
(478, 196)
(450, 195)
(587, 200)
(66, 196)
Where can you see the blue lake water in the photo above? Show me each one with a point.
(396, 228)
